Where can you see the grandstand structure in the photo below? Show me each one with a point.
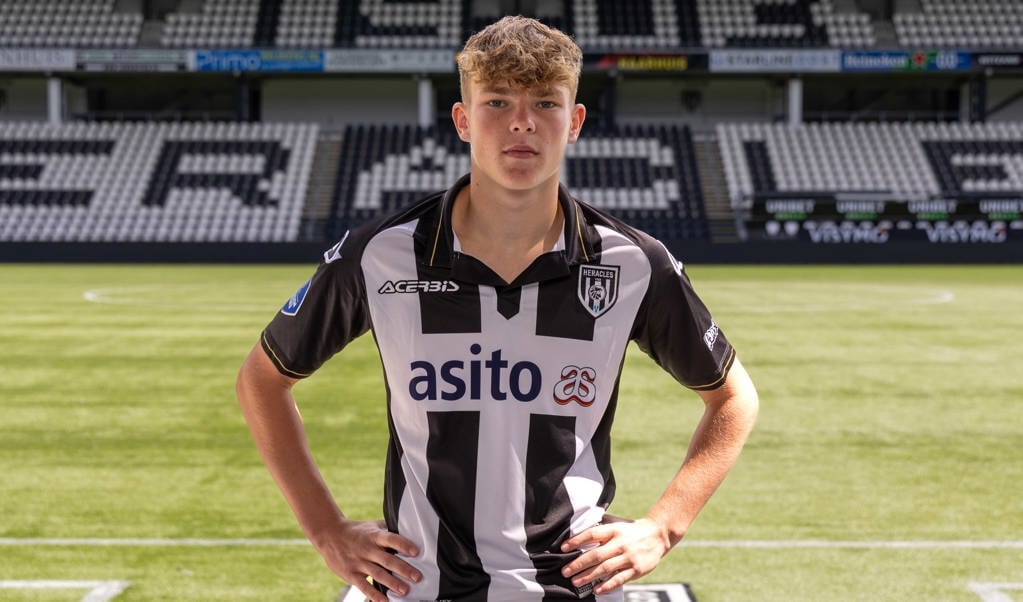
(711, 122)
(160, 182)
(911, 160)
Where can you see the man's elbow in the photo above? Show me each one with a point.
(245, 382)
(741, 400)
(255, 376)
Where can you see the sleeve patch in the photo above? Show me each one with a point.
(293, 304)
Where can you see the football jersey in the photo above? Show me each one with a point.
(500, 396)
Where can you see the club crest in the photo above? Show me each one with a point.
(598, 288)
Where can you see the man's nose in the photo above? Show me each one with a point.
(522, 121)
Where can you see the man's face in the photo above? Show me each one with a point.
(517, 135)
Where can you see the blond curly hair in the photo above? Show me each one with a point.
(521, 51)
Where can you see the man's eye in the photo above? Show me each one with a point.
(495, 103)
(548, 104)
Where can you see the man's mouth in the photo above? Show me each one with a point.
(521, 151)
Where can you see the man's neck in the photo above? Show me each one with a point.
(507, 230)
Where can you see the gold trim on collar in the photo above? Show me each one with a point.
(579, 230)
(436, 237)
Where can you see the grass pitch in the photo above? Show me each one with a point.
(887, 463)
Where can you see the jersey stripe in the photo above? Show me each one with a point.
(451, 312)
(601, 444)
(394, 475)
(451, 454)
(548, 512)
(559, 313)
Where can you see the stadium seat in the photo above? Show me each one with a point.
(948, 23)
(644, 175)
(154, 181)
(84, 24)
(609, 25)
(219, 23)
(752, 23)
(905, 159)
(376, 24)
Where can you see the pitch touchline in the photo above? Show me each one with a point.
(157, 542)
(147, 542)
(876, 544)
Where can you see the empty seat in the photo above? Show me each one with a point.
(86, 24)
(753, 23)
(383, 168)
(949, 23)
(148, 181)
(906, 159)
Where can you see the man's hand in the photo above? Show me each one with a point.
(361, 550)
(624, 551)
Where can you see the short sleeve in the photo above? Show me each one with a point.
(676, 329)
(325, 314)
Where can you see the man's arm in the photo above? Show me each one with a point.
(628, 550)
(354, 550)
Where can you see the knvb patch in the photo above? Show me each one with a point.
(295, 302)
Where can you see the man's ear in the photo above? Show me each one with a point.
(578, 117)
(460, 116)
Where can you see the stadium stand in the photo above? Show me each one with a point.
(84, 24)
(661, 24)
(644, 174)
(306, 23)
(381, 24)
(911, 160)
(153, 182)
(549, 13)
(597, 24)
(237, 181)
(219, 23)
(246, 182)
(945, 23)
(749, 23)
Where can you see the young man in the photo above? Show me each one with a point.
(502, 309)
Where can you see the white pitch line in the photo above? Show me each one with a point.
(123, 295)
(99, 591)
(148, 542)
(772, 544)
(869, 545)
(994, 592)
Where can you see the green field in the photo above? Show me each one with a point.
(887, 463)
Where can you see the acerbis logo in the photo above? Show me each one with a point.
(466, 378)
(576, 384)
(418, 286)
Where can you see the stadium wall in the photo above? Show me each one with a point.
(1007, 92)
(700, 103)
(692, 252)
(336, 102)
(23, 98)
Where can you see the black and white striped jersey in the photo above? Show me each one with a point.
(500, 395)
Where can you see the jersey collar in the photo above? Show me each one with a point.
(441, 253)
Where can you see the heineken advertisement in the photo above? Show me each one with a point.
(827, 219)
